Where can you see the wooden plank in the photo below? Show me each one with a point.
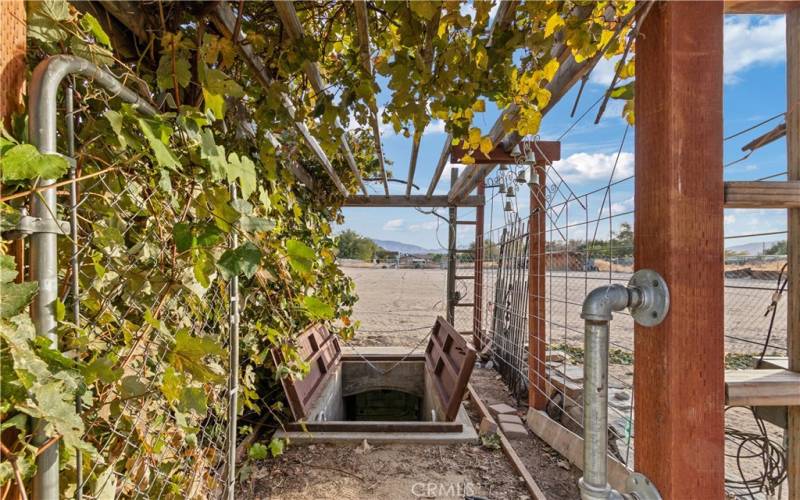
(537, 308)
(411, 201)
(570, 446)
(766, 138)
(294, 29)
(759, 6)
(762, 194)
(508, 450)
(793, 240)
(225, 21)
(362, 25)
(375, 426)
(545, 152)
(762, 387)
(679, 386)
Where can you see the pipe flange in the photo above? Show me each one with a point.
(653, 304)
(641, 488)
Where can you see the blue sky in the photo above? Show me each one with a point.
(755, 89)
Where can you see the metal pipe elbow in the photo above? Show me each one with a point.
(601, 302)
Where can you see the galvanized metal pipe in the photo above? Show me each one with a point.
(596, 311)
(233, 375)
(42, 130)
(647, 296)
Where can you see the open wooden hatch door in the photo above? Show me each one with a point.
(321, 350)
(449, 359)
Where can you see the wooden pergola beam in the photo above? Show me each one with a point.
(503, 17)
(759, 6)
(762, 194)
(399, 201)
(679, 387)
(291, 22)
(362, 25)
(225, 21)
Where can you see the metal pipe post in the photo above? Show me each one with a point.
(233, 376)
(42, 104)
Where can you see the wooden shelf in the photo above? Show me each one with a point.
(762, 194)
(762, 388)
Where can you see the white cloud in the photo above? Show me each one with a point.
(423, 226)
(603, 72)
(730, 219)
(752, 41)
(393, 225)
(582, 167)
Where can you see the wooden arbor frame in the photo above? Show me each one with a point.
(679, 433)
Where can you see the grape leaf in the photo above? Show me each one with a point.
(24, 161)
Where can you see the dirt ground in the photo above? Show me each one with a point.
(397, 307)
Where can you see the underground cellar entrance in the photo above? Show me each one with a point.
(381, 395)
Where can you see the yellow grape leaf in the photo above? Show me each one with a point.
(481, 58)
(543, 97)
(467, 159)
(479, 106)
(550, 69)
(486, 146)
(554, 22)
(605, 37)
(474, 137)
(628, 71)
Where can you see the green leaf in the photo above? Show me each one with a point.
(133, 387)
(257, 452)
(256, 225)
(91, 24)
(183, 72)
(189, 355)
(182, 234)
(193, 399)
(276, 446)
(213, 154)
(8, 269)
(171, 384)
(102, 369)
(157, 135)
(317, 308)
(43, 20)
(24, 161)
(624, 92)
(245, 170)
(301, 257)
(15, 297)
(242, 260)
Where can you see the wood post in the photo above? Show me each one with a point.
(477, 314)
(793, 237)
(679, 369)
(12, 57)
(452, 263)
(537, 395)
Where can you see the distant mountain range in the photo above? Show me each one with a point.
(751, 249)
(397, 246)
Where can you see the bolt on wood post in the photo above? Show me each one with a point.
(679, 369)
(793, 238)
(537, 395)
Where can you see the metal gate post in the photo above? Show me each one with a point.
(233, 376)
(451, 255)
(477, 308)
(42, 131)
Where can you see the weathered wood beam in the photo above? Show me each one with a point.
(763, 140)
(503, 17)
(291, 23)
(410, 201)
(225, 21)
(362, 25)
(759, 6)
(412, 167)
(762, 387)
(762, 194)
(793, 240)
(679, 387)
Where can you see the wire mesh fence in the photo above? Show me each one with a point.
(589, 243)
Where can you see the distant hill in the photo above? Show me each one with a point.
(751, 249)
(397, 246)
